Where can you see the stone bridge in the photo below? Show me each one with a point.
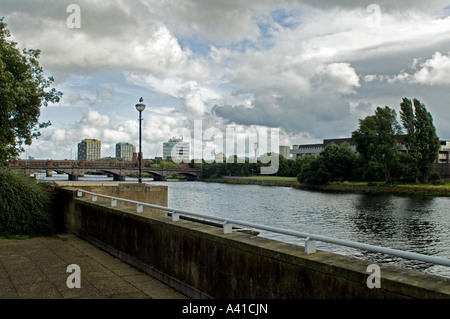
(118, 170)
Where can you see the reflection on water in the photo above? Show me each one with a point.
(416, 224)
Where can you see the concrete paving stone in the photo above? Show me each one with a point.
(86, 291)
(123, 269)
(157, 290)
(52, 267)
(15, 260)
(129, 295)
(38, 290)
(142, 277)
(26, 277)
(37, 269)
(7, 290)
(108, 286)
(8, 248)
(106, 259)
(92, 269)
(3, 272)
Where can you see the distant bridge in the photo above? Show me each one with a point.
(119, 170)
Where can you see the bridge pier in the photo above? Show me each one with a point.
(119, 178)
(49, 173)
(73, 177)
(159, 178)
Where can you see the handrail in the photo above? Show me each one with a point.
(310, 246)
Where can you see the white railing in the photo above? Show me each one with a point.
(310, 239)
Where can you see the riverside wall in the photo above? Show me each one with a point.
(200, 261)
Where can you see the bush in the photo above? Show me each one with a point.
(314, 174)
(25, 206)
(435, 178)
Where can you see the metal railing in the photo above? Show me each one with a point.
(310, 239)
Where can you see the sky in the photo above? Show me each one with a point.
(309, 69)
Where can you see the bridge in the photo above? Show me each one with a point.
(118, 170)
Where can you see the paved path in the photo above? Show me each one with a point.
(37, 269)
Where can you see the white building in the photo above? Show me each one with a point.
(177, 150)
(285, 151)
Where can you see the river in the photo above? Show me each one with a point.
(416, 224)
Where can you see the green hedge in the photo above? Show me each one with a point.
(26, 207)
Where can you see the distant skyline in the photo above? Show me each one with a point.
(312, 69)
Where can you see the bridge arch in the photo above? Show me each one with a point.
(189, 176)
(157, 176)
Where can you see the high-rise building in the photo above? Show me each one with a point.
(285, 151)
(176, 149)
(125, 151)
(89, 150)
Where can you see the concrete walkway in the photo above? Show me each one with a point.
(37, 269)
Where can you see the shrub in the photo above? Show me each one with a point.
(314, 174)
(25, 206)
(435, 178)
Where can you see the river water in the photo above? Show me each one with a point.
(415, 224)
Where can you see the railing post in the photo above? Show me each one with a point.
(94, 198)
(79, 194)
(113, 202)
(139, 208)
(227, 228)
(310, 246)
(175, 217)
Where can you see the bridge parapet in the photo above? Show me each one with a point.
(119, 170)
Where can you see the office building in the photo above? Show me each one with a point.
(125, 151)
(285, 151)
(176, 149)
(89, 150)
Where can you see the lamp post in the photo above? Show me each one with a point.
(140, 107)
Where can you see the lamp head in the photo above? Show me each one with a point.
(141, 106)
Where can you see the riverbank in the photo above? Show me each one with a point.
(351, 187)
(257, 180)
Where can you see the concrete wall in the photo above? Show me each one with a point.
(200, 261)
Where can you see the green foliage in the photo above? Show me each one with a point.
(314, 173)
(339, 161)
(23, 88)
(376, 141)
(421, 140)
(25, 206)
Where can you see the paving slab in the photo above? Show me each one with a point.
(36, 268)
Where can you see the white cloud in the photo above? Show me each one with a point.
(309, 67)
(340, 77)
(195, 105)
(435, 70)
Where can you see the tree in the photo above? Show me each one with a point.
(410, 160)
(300, 161)
(339, 160)
(421, 139)
(314, 173)
(376, 141)
(23, 90)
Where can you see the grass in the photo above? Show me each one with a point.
(275, 178)
(400, 188)
(379, 187)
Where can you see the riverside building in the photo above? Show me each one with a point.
(89, 150)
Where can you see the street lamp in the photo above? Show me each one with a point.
(140, 107)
